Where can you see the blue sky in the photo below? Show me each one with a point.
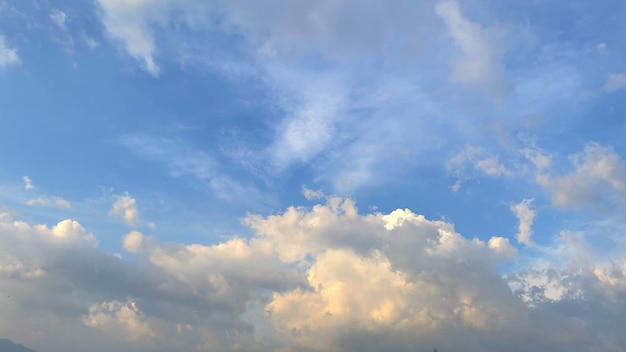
(265, 145)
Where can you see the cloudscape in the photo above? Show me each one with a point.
(328, 176)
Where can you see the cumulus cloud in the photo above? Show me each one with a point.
(525, 215)
(133, 242)
(124, 207)
(49, 201)
(28, 183)
(598, 178)
(615, 82)
(121, 320)
(326, 278)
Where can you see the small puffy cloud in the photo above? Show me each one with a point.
(133, 242)
(124, 207)
(28, 183)
(538, 157)
(49, 201)
(615, 82)
(601, 48)
(503, 247)
(121, 320)
(8, 55)
(526, 216)
(310, 194)
(599, 177)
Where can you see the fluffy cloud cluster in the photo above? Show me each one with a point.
(125, 208)
(320, 279)
(598, 179)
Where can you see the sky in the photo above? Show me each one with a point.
(328, 176)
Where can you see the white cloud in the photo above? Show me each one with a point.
(121, 320)
(59, 17)
(8, 56)
(131, 23)
(598, 178)
(49, 201)
(90, 42)
(185, 161)
(178, 157)
(601, 48)
(313, 105)
(480, 161)
(482, 51)
(133, 242)
(503, 247)
(526, 216)
(310, 194)
(325, 279)
(125, 207)
(615, 82)
(28, 183)
(539, 158)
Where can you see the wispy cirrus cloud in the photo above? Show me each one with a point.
(49, 201)
(184, 161)
(615, 82)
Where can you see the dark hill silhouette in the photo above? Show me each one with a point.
(9, 346)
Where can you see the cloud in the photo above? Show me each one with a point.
(184, 161)
(121, 320)
(479, 160)
(598, 178)
(325, 278)
(482, 52)
(615, 82)
(59, 17)
(310, 194)
(49, 201)
(541, 160)
(28, 183)
(525, 215)
(601, 48)
(130, 24)
(311, 118)
(8, 56)
(179, 158)
(133, 242)
(125, 208)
